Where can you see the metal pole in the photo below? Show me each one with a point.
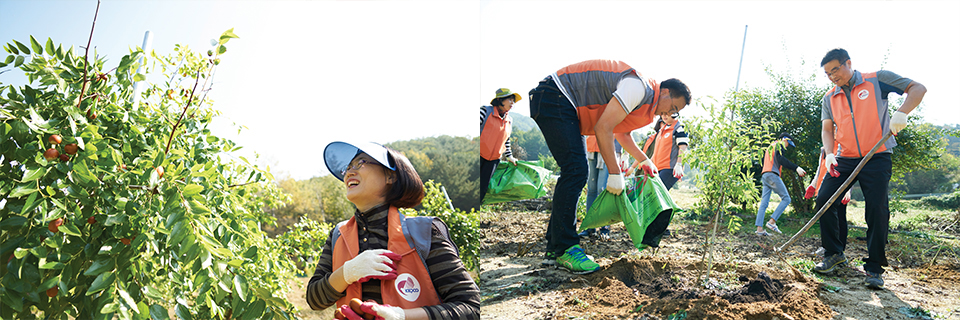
(736, 88)
(147, 44)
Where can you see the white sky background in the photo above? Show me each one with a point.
(699, 42)
(305, 73)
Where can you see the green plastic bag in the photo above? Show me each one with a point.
(654, 209)
(607, 209)
(524, 181)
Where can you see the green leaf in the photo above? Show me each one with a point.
(158, 312)
(240, 283)
(11, 49)
(22, 190)
(51, 51)
(100, 266)
(139, 77)
(236, 263)
(256, 309)
(9, 59)
(116, 219)
(198, 208)
(128, 300)
(15, 303)
(18, 61)
(13, 222)
(81, 172)
(53, 265)
(31, 203)
(22, 47)
(227, 35)
(222, 49)
(70, 229)
(183, 312)
(250, 253)
(192, 190)
(109, 308)
(103, 281)
(34, 174)
(36, 46)
(50, 283)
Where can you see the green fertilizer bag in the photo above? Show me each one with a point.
(607, 209)
(653, 211)
(524, 181)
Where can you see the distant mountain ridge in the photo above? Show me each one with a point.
(523, 123)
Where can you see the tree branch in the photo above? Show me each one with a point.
(86, 51)
(182, 114)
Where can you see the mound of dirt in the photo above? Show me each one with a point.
(648, 287)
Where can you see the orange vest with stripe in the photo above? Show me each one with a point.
(413, 287)
(821, 172)
(860, 125)
(663, 156)
(495, 132)
(594, 83)
(769, 163)
(592, 145)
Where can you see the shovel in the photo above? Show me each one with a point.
(837, 194)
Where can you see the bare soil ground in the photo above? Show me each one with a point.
(747, 279)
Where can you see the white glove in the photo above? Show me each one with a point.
(678, 170)
(512, 160)
(801, 172)
(648, 167)
(615, 183)
(898, 122)
(830, 163)
(383, 311)
(377, 264)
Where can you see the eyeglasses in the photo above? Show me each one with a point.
(836, 69)
(354, 166)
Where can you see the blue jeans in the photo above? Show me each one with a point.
(772, 182)
(596, 178)
(558, 122)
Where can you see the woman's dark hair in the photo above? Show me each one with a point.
(407, 189)
(677, 89)
(836, 54)
(499, 101)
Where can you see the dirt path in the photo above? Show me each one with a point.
(747, 281)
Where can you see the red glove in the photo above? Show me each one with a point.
(648, 167)
(382, 311)
(846, 198)
(830, 162)
(811, 191)
(349, 314)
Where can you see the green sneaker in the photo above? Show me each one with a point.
(575, 260)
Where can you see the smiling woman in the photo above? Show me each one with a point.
(403, 267)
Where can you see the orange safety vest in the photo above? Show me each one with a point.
(821, 172)
(592, 145)
(664, 154)
(770, 163)
(861, 125)
(495, 132)
(413, 287)
(590, 85)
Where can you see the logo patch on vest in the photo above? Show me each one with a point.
(863, 94)
(408, 287)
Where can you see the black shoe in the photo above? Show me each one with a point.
(587, 233)
(874, 280)
(830, 263)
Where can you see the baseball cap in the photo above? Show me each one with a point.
(338, 154)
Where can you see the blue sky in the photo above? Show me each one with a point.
(305, 73)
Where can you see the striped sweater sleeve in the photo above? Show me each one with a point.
(320, 295)
(459, 294)
(509, 152)
(483, 115)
